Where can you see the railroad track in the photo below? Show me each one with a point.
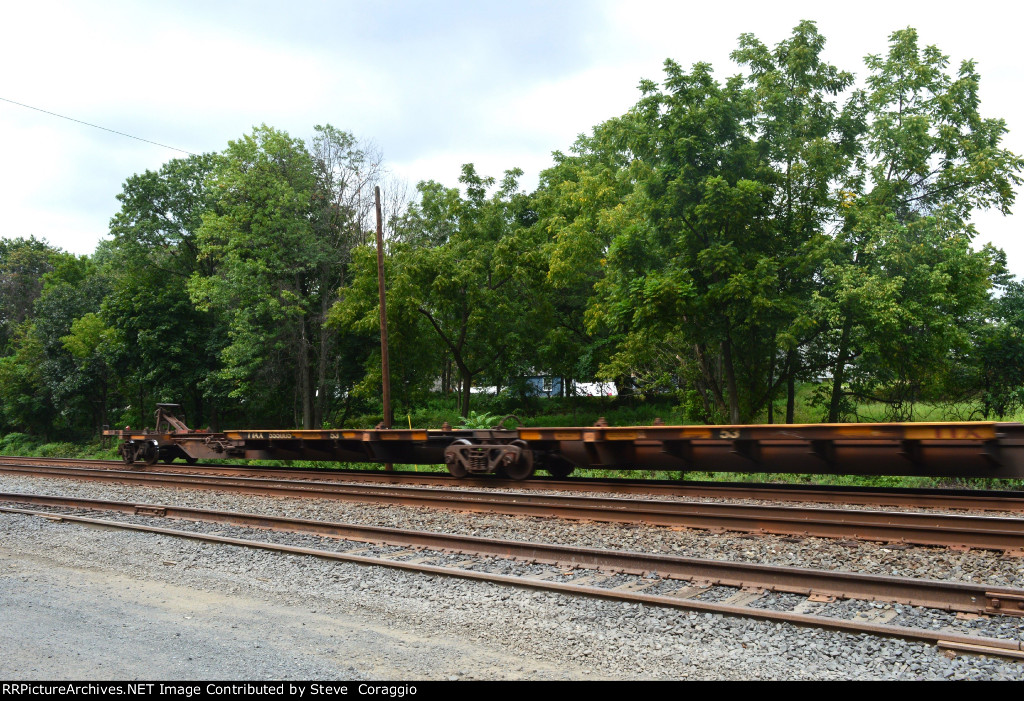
(735, 589)
(933, 529)
(945, 499)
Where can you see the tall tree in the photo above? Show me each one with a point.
(23, 263)
(343, 211)
(906, 272)
(579, 208)
(468, 266)
(811, 143)
(695, 264)
(281, 235)
(261, 240)
(73, 290)
(171, 350)
(993, 373)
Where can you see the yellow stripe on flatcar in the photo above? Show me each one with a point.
(693, 432)
(951, 433)
(403, 436)
(538, 435)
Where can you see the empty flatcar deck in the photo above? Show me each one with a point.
(960, 449)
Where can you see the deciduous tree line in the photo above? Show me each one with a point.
(722, 241)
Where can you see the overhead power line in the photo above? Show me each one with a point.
(97, 126)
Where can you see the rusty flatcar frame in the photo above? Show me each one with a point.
(961, 449)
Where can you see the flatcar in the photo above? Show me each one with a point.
(943, 449)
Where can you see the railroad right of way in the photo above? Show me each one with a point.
(892, 560)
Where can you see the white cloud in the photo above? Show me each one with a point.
(435, 85)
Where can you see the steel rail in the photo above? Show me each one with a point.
(963, 597)
(985, 532)
(932, 594)
(938, 498)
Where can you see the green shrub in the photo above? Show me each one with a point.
(57, 450)
(15, 444)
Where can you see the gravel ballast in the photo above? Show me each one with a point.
(897, 560)
(462, 629)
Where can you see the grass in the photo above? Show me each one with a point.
(24, 445)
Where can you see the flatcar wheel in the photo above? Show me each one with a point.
(523, 467)
(520, 471)
(559, 469)
(149, 453)
(127, 452)
(168, 459)
(191, 460)
(454, 465)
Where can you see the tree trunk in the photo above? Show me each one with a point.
(104, 420)
(711, 387)
(142, 413)
(305, 379)
(195, 419)
(467, 382)
(730, 381)
(623, 386)
(791, 358)
(320, 396)
(101, 409)
(839, 372)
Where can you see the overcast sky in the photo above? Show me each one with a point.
(432, 84)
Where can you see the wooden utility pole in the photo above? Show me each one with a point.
(389, 417)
